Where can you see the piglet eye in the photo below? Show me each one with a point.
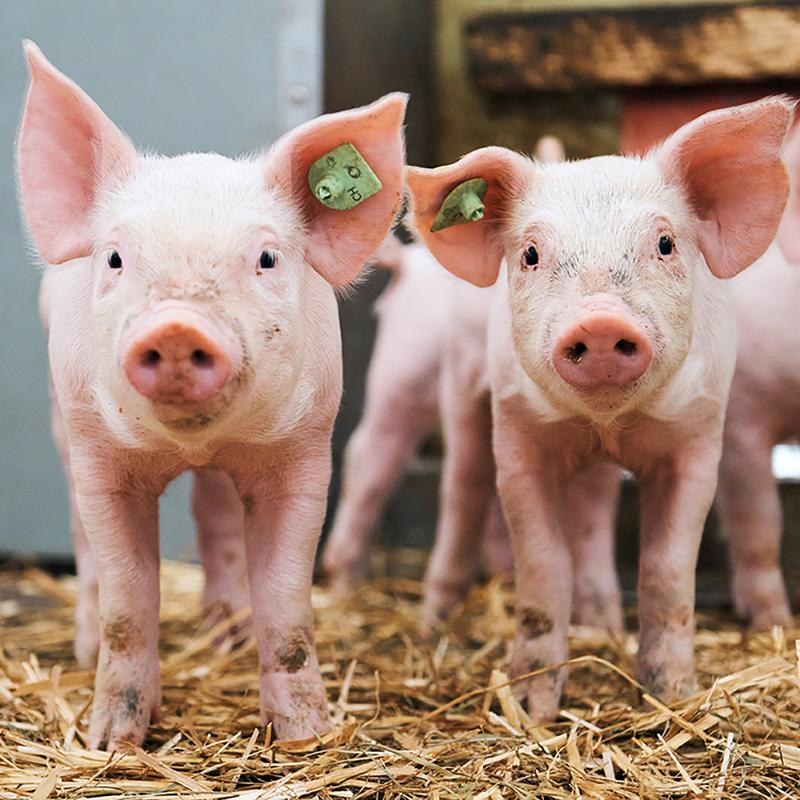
(665, 245)
(114, 260)
(530, 257)
(266, 260)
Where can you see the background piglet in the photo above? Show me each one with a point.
(402, 406)
(193, 324)
(612, 336)
(764, 410)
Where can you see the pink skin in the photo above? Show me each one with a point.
(400, 407)
(260, 404)
(467, 485)
(762, 412)
(219, 519)
(596, 226)
(403, 402)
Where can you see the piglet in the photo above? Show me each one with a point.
(611, 335)
(764, 410)
(400, 407)
(193, 325)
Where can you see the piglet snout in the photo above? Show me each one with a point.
(601, 349)
(175, 360)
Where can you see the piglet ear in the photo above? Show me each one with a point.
(729, 164)
(67, 148)
(472, 250)
(789, 231)
(342, 239)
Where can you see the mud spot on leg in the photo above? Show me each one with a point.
(534, 623)
(292, 652)
(120, 634)
(132, 699)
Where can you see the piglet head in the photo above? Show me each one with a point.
(206, 272)
(609, 260)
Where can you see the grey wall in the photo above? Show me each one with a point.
(176, 75)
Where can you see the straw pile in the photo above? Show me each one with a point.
(414, 720)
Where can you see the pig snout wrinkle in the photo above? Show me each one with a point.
(175, 362)
(601, 349)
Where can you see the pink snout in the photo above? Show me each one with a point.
(602, 349)
(174, 361)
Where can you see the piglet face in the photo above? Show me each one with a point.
(207, 272)
(199, 280)
(601, 259)
(611, 261)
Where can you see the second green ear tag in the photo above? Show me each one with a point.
(463, 204)
(341, 179)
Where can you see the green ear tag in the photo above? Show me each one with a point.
(342, 179)
(463, 204)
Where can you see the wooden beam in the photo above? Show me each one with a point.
(688, 45)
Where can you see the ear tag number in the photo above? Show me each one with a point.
(341, 179)
(463, 204)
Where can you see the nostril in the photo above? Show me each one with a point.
(575, 352)
(202, 359)
(150, 358)
(626, 347)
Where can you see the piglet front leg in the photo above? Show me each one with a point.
(532, 494)
(121, 524)
(676, 497)
(284, 498)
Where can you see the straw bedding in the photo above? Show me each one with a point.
(413, 719)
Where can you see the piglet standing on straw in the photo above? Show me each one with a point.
(193, 323)
(611, 334)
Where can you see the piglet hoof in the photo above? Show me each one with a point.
(219, 606)
(761, 600)
(541, 694)
(598, 610)
(123, 710)
(295, 704)
(343, 572)
(667, 682)
(441, 599)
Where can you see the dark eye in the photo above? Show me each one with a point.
(267, 260)
(665, 245)
(530, 257)
(114, 261)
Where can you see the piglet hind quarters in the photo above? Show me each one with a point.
(195, 326)
(611, 334)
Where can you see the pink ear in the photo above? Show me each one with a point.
(789, 231)
(341, 241)
(66, 147)
(729, 164)
(472, 250)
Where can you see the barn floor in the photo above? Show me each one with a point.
(413, 720)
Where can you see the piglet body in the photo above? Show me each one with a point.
(611, 335)
(193, 324)
(763, 411)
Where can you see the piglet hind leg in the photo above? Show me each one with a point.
(375, 459)
(590, 514)
(676, 497)
(466, 492)
(122, 528)
(533, 498)
(87, 612)
(750, 513)
(284, 499)
(219, 518)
